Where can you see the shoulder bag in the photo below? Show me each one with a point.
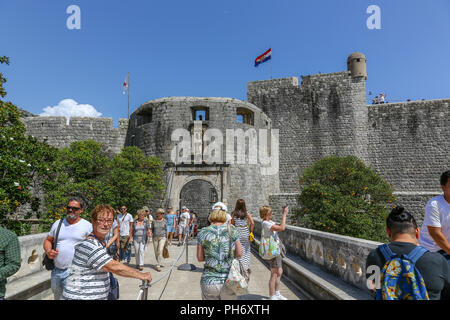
(236, 279)
(269, 247)
(48, 263)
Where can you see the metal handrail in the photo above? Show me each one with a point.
(145, 285)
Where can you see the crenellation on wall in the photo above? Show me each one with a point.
(56, 131)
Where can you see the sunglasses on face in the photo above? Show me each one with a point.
(73, 208)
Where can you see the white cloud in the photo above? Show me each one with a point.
(70, 108)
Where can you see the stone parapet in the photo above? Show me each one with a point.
(341, 256)
(59, 133)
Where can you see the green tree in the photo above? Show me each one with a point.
(85, 170)
(22, 159)
(134, 178)
(77, 171)
(341, 195)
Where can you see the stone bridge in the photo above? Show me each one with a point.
(318, 265)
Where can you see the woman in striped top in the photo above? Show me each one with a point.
(244, 224)
(89, 278)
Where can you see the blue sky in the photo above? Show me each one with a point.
(207, 48)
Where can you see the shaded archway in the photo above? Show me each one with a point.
(198, 196)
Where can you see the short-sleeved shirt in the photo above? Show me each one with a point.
(86, 280)
(69, 236)
(266, 225)
(437, 214)
(124, 226)
(170, 218)
(159, 228)
(215, 243)
(9, 256)
(140, 231)
(432, 266)
(184, 219)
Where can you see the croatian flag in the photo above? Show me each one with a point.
(125, 83)
(264, 57)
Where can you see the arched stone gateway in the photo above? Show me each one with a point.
(198, 196)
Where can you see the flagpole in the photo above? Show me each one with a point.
(128, 96)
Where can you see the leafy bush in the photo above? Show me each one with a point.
(341, 195)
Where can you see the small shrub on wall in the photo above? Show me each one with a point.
(341, 195)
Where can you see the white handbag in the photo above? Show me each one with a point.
(236, 280)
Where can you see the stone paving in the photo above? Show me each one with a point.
(185, 285)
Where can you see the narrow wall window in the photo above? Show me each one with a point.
(244, 115)
(143, 117)
(200, 113)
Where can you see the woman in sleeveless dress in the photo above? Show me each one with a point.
(244, 224)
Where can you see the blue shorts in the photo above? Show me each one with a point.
(170, 229)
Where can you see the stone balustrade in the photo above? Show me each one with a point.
(341, 256)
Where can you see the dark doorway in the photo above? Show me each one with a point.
(199, 196)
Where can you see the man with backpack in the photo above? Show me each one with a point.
(402, 269)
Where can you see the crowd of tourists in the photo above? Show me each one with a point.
(84, 256)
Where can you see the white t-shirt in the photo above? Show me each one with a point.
(184, 218)
(124, 226)
(266, 225)
(228, 218)
(437, 214)
(69, 236)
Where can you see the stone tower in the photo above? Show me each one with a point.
(325, 115)
(162, 127)
(356, 64)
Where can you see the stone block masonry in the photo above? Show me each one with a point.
(325, 115)
(406, 143)
(56, 132)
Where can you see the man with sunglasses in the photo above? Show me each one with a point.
(74, 229)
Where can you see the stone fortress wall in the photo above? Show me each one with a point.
(58, 133)
(406, 143)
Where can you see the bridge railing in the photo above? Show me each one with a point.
(341, 256)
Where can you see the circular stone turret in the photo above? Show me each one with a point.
(159, 126)
(356, 64)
